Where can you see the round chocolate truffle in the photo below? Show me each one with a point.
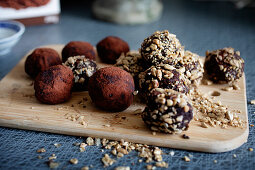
(193, 67)
(111, 88)
(161, 47)
(41, 59)
(75, 48)
(133, 63)
(167, 111)
(54, 85)
(83, 69)
(110, 48)
(224, 65)
(162, 76)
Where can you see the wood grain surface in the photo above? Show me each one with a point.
(20, 109)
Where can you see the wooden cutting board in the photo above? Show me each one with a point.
(20, 109)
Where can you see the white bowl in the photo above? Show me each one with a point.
(10, 34)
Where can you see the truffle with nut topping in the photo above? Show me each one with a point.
(82, 69)
(110, 48)
(161, 47)
(133, 63)
(163, 76)
(54, 85)
(193, 67)
(76, 48)
(41, 59)
(111, 88)
(167, 111)
(224, 65)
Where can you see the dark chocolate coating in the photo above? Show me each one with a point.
(76, 48)
(148, 80)
(224, 65)
(41, 59)
(111, 88)
(54, 85)
(110, 48)
(172, 119)
(82, 69)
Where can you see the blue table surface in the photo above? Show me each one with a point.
(200, 26)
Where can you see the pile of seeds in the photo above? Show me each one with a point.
(212, 113)
(121, 148)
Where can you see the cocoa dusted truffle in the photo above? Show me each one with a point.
(83, 69)
(41, 59)
(224, 65)
(110, 48)
(167, 111)
(163, 76)
(54, 85)
(111, 88)
(133, 63)
(161, 47)
(75, 48)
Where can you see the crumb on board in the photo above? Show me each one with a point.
(53, 156)
(186, 159)
(107, 160)
(41, 150)
(184, 136)
(253, 102)
(122, 168)
(74, 161)
(85, 168)
(214, 113)
(57, 145)
(52, 164)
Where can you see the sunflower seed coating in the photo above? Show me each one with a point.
(161, 47)
(224, 65)
(160, 116)
(82, 69)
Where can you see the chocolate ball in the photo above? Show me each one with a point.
(133, 63)
(224, 65)
(193, 67)
(161, 47)
(75, 48)
(111, 89)
(41, 59)
(82, 69)
(54, 85)
(167, 111)
(110, 48)
(162, 76)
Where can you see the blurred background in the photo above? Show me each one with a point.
(200, 25)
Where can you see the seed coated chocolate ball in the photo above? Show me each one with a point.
(82, 69)
(54, 85)
(78, 48)
(224, 65)
(133, 63)
(167, 111)
(163, 76)
(110, 48)
(111, 89)
(193, 67)
(161, 47)
(41, 59)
